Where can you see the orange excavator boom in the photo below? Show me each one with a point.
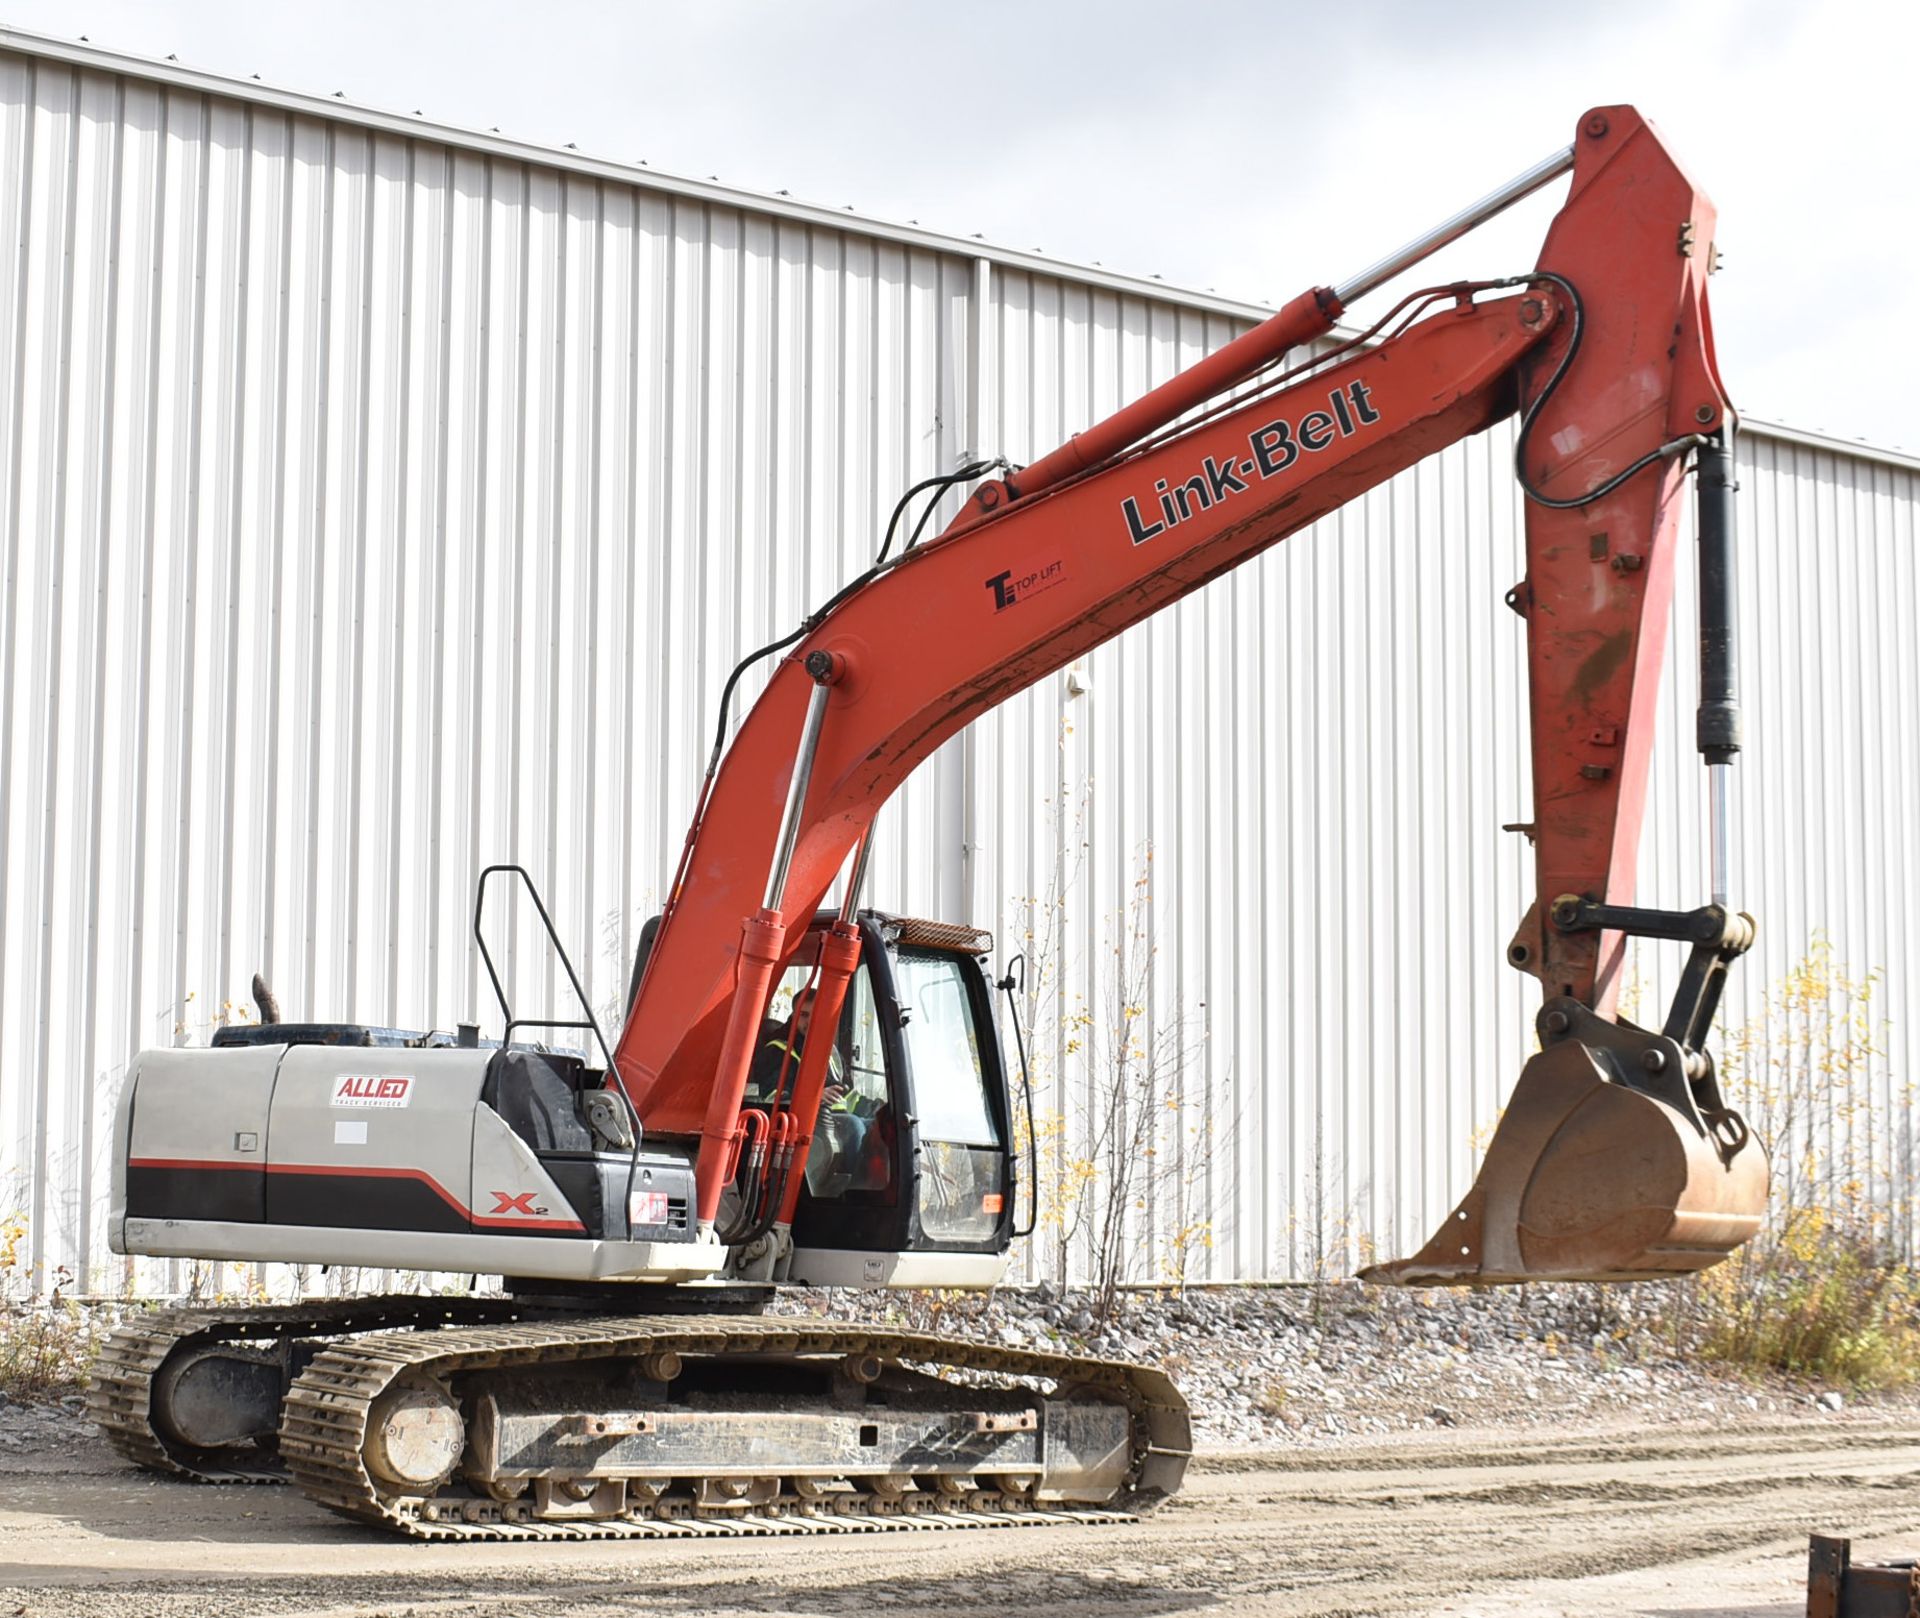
(1605, 352)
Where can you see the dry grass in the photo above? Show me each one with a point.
(1272, 1401)
(47, 1349)
(1825, 1291)
(47, 1345)
(1822, 1298)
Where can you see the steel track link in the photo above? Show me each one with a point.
(120, 1398)
(325, 1419)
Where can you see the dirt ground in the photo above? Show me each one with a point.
(1701, 1523)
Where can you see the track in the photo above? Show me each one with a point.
(120, 1403)
(334, 1398)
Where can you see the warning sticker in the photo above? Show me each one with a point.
(647, 1208)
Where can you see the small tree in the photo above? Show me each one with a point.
(1326, 1235)
(1801, 1071)
(1122, 1164)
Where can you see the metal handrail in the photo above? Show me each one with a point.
(559, 949)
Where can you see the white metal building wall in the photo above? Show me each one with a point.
(379, 501)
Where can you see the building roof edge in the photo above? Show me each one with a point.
(84, 55)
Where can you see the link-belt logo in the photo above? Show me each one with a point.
(373, 1090)
(1275, 447)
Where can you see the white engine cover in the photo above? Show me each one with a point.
(350, 1155)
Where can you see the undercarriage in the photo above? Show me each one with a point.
(482, 1418)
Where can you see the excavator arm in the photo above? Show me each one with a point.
(1606, 353)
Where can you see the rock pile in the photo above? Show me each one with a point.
(1269, 1365)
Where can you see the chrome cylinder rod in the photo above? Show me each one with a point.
(1521, 185)
(1719, 789)
(857, 877)
(797, 793)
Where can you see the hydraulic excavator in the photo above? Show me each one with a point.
(643, 1198)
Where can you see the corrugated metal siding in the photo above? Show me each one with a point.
(377, 506)
(1312, 759)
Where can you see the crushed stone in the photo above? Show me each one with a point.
(1276, 1366)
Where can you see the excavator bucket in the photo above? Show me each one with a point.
(1589, 1178)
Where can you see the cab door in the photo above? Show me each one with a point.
(917, 1158)
(956, 1099)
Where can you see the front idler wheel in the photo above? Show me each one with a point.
(415, 1436)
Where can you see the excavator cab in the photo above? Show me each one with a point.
(910, 1152)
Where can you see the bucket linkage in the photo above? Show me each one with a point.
(1617, 1159)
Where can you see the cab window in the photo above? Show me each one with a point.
(943, 1050)
(959, 1193)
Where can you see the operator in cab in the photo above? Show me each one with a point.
(838, 1158)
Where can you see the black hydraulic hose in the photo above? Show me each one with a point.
(718, 750)
(633, 1157)
(770, 1189)
(807, 625)
(733, 680)
(1664, 452)
(900, 510)
(757, 1216)
(1026, 1089)
(941, 481)
(966, 474)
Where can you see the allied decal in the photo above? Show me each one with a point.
(373, 1090)
(515, 1202)
(1271, 450)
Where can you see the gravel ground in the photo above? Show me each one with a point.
(1285, 1366)
(1535, 1454)
(1282, 1366)
(1667, 1522)
(41, 1428)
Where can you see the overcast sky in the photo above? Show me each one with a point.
(1254, 149)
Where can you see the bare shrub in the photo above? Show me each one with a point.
(1822, 1298)
(1119, 1164)
(1327, 1233)
(47, 1343)
(1826, 1289)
